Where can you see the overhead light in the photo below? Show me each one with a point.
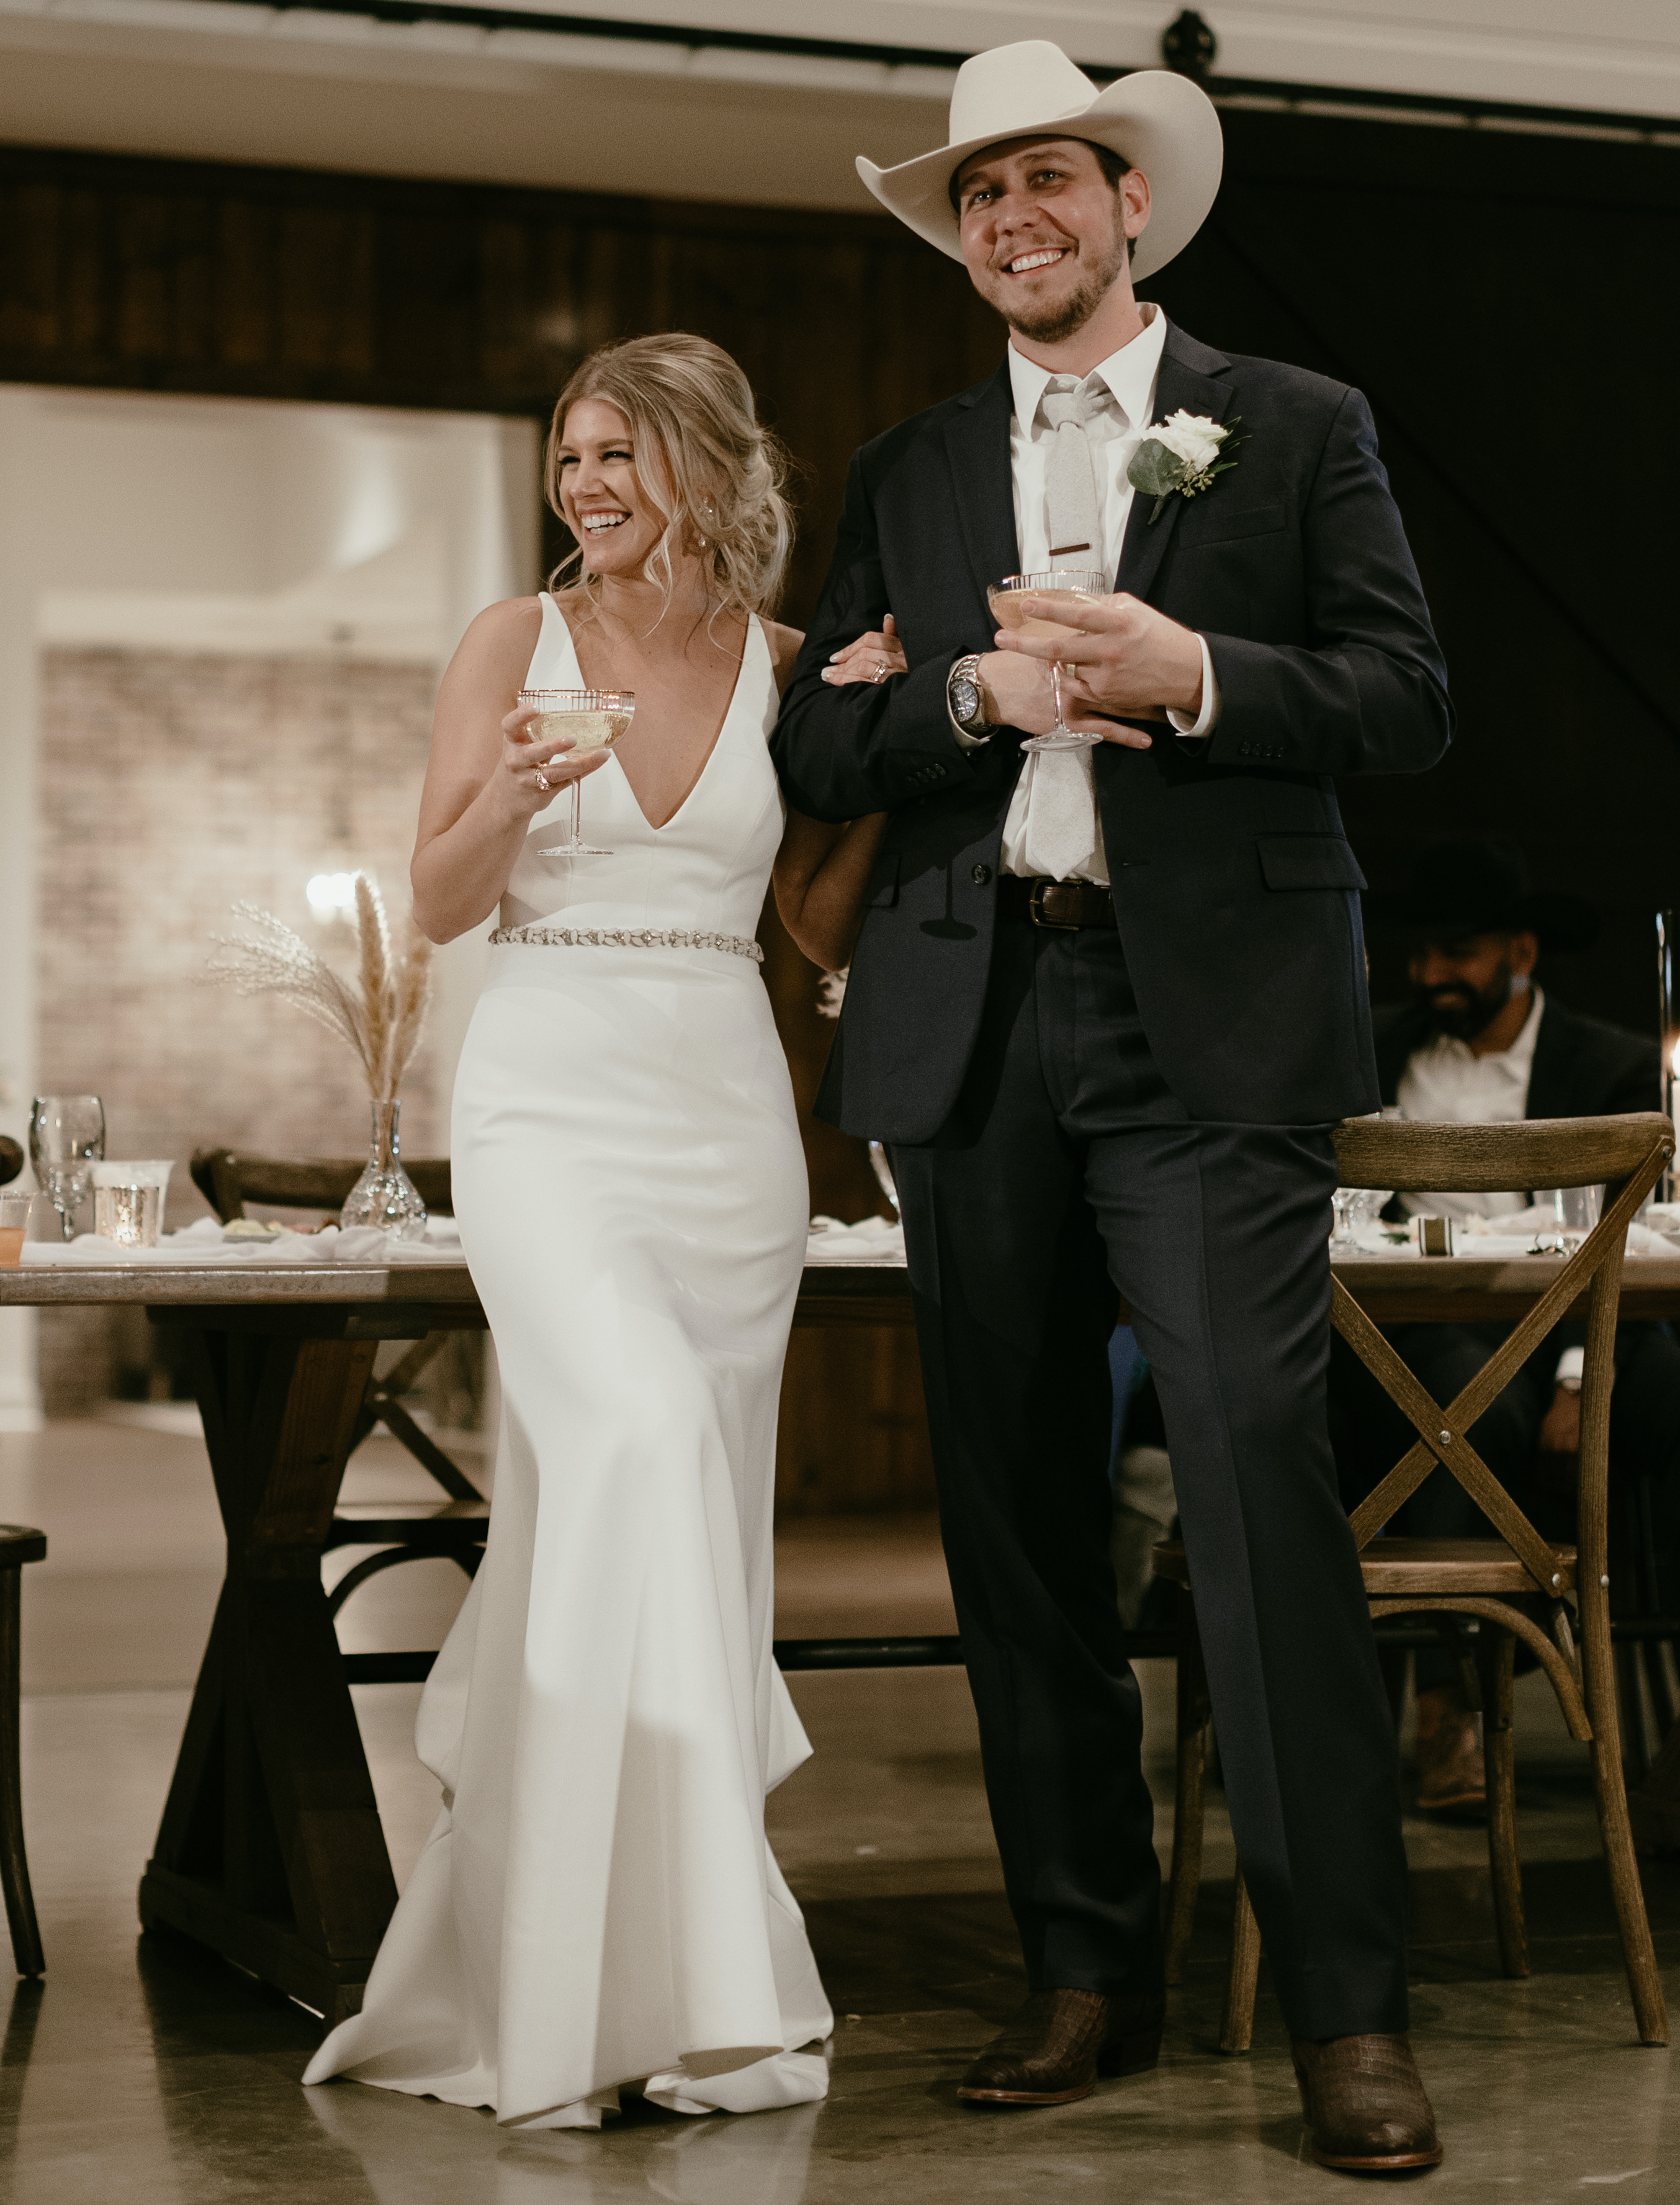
(331, 895)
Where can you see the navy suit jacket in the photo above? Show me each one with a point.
(1234, 886)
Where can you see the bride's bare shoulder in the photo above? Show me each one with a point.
(515, 620)
(784, 644)
(502, 637)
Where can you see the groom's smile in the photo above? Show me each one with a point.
(1044, 229)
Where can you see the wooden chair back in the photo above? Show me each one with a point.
(1628, 1154)
(1495, 1583)
(228, 1180)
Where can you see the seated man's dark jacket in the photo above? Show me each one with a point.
(1581, 1068)
(1234, 886)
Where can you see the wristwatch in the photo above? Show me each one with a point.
(965, 699)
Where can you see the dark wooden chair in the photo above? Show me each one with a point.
(1504, 1583)
(455, 1529)
(17, 1547)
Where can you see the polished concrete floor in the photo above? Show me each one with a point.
(145, 2069)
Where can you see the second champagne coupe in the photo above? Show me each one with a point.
(595, 719)
(1079, 585)
(67, 1138)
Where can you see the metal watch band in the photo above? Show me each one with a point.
(972, 720)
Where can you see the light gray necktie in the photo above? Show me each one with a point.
(1075, 527)
(1062, 803)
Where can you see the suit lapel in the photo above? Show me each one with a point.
(976, 444)
(1181, 383)
(1548, 1069)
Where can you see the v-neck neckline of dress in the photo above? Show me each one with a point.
(754, 628)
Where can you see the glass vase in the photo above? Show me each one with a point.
(384, 1195)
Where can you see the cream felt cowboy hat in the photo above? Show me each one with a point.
(1159, 122)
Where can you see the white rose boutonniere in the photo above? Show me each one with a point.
(1181, 455)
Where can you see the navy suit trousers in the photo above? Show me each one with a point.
(1068, 1170)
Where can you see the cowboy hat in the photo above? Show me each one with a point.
(1161, 123)
(1476, 886)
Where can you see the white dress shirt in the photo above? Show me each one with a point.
(1446, 1081)
(1130, 375)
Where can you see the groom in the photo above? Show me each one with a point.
(1106, 1007)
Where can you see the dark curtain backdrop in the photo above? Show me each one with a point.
(1506, 299)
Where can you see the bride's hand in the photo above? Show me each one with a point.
(872, 658)
(530, 771)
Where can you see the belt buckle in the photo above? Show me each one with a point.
(1036, 907)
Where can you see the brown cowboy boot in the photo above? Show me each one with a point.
(1451, 1774)
(1057, 2045)
(1364, 2103)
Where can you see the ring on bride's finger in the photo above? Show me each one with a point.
(881, 669)
(542, 778)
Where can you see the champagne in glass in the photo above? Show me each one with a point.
(67, 1138)
(1073, 585)
(594, 719)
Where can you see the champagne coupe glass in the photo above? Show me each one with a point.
(595, 719)
(66, 1138)
(1076, 585)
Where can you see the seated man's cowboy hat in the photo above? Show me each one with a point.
(1161, 123)
(1475, 885)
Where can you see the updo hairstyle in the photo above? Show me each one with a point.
(702, 458)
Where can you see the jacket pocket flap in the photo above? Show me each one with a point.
(1308, 861)
(1218, 524)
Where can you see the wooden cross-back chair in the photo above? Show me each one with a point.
(1500, 1582)
(455, 1530)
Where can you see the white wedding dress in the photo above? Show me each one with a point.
(597, 1904)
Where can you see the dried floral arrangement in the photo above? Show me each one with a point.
(381, 1015)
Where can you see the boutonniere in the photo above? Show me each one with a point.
(1182, 454)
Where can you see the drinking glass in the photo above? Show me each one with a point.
(14, 1224)
(595, 719)
(1576, 1209)
(66, 1138)
(1354, 1210)
(1076, 585)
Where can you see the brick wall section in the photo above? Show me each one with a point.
(171, 787)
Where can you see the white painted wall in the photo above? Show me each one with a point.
(205, 525)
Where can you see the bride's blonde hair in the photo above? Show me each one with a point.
(705, 462)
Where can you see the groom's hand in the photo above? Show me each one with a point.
(1130, 658)
(1018, 692)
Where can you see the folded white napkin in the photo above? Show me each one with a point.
(871, 1240)
(205, 1243)
(1514, 1234)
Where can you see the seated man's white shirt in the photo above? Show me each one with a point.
(1129, 376)
(1447, 1082)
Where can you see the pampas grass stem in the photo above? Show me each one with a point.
(382, 1017)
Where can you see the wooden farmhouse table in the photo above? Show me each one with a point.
(270, 1849)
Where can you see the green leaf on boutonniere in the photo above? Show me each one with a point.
(1160, 472)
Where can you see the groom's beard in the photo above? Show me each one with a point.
(1053, 324)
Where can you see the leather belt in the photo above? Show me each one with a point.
(1066, 905)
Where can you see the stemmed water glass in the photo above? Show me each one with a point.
(1076, 585)
(595, 719)
(67, 1138)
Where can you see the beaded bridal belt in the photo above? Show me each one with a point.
(630, 937)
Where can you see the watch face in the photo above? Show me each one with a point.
(965, 701)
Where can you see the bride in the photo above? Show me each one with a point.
(597, 1904)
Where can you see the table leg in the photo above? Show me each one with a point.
(270, 1849)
